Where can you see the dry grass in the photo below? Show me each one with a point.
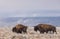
(6, 33)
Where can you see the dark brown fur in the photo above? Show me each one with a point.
(19, 28)
(44, 28)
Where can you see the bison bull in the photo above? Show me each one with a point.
(45, 28)
(20, 28)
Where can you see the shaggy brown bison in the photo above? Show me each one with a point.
(45, 28)
(19, 28)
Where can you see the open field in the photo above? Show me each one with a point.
(6, 33)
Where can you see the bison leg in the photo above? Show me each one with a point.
(42, 32)
(54, 31)
(25, 30)
(46, 31)
(18, 31)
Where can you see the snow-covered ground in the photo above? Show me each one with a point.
(6, 33)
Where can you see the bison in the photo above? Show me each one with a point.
(44, 28)
(19, 28)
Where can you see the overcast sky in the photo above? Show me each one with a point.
(29, 8)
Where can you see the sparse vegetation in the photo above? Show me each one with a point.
(6, 33)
